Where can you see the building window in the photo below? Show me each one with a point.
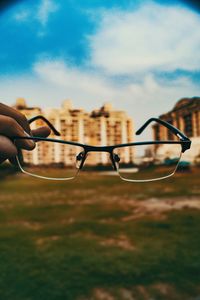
(188, 125)
(157, 132)
(170, 135)
(197, 123)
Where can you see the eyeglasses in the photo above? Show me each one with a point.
(56, 159)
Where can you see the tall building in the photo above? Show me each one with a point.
(111, 127)
(185, 115)
(101, 127)
(27, 110)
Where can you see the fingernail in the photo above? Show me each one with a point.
(31, 143)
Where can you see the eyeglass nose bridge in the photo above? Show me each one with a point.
(81, 157)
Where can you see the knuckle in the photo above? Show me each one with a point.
(6, 122)
(22, 120)
(1, 109)
(10, 121)
(21, 117)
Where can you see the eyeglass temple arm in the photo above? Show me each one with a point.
(55, 131)
(173, 129)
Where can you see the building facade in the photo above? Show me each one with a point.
(104, 126)
(185, 115)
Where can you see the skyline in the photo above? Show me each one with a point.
(141, 56)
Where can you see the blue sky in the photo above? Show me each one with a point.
(59, 31)
(140, 55)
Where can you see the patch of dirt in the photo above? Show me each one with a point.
(68, 221)
(100, 294)
(44, 240)
(107, 221)
(126, 294)
(144, 293)
(158, 207)
(163, 288)
(139, 292)
(121, 241)
(29, 225)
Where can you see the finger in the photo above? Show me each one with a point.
(41, 132)
(14, 160)
(7, 149)
(18, 116)
(10, 128)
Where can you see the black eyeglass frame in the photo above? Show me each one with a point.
(184, 141)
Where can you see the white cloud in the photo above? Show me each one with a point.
(151, 37)
(46, 8)
(39, 13)
(22, 15)
(55, 81)
(73, 79)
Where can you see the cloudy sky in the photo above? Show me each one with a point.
(140, 55)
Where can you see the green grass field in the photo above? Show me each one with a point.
(99, 238)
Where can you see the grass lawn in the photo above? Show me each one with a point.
(99, 238)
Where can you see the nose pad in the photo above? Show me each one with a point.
(115, 160)
(80, 158)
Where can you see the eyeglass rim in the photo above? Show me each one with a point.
(46, 177)
(91, 148)
(184, 140)
(153, 179)
(109, 149)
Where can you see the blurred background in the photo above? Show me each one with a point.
(98, 70)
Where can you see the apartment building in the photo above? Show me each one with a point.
(185, 115)
(103, 126)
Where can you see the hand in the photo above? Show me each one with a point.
(14, 123)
